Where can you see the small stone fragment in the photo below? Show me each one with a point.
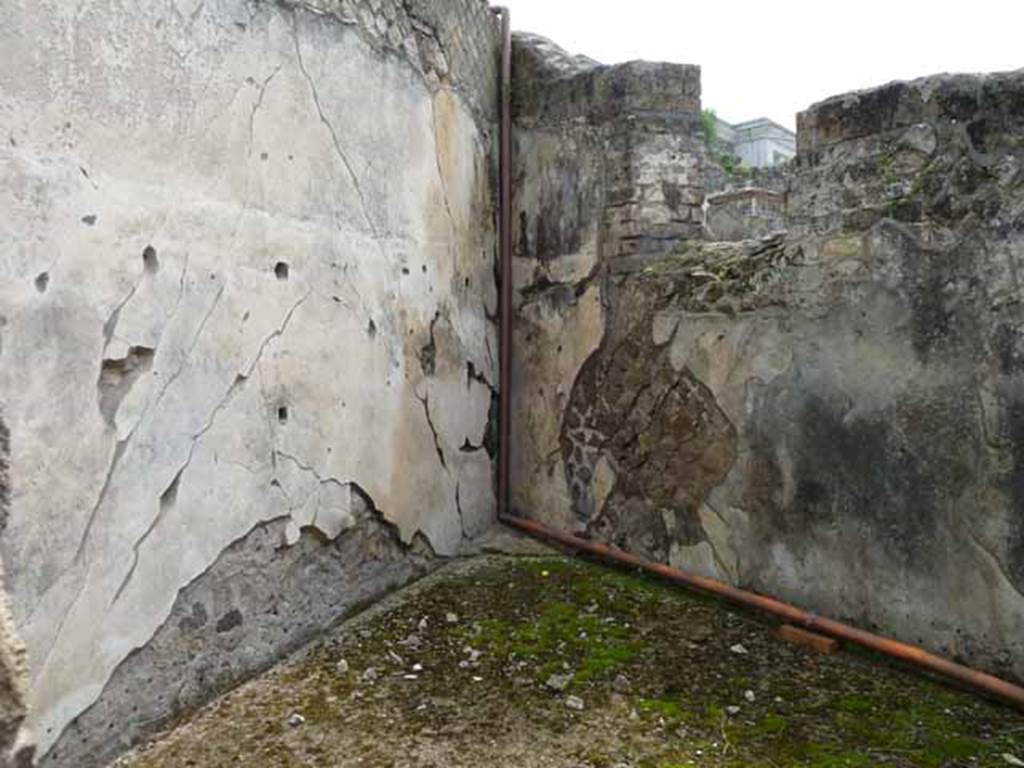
(1012, 759)
(451, 618)
(370, 674)
(749, 696)
(621, 684)
(296, 720)
(732, 710)
(574, 702)
(342, 667)
(739, 649)
(417, 667)
(558, 683)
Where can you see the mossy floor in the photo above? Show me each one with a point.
(462, 663)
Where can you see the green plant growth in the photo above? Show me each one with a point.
(710, 121)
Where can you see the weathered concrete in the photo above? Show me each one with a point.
(246, 261)
(830, 416)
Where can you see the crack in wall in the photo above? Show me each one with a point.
(330, 128)
(441, 177)
(188, 353)
(259, 103)
(425, 402)
(240, 380)
(167, 500)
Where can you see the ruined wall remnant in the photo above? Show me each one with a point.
(246, 271)
(608, 166)
(832, 415)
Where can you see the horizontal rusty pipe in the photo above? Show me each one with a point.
(912, 654)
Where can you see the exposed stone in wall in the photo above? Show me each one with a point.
(260, 598)
(449, 42)
(847, 397)
(745, 213)
(745, 203)
(231, 229)
(14, 751)
(608, 173)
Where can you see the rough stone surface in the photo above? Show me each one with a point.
(831, 416)
(608, 169)
(14, 749)
(258, 600)
(745, 213)
(246, 262)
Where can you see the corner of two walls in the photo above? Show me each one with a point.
(248, 346)
(14, 751)
(831, 416)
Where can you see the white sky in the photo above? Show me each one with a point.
(776, 57)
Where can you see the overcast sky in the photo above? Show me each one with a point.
(777, 57)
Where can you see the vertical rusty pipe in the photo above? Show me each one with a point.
(505, 260)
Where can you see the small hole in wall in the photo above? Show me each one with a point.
(281, 270)
(149, 259)
(371, 328)
(282, 414)
(42, 280)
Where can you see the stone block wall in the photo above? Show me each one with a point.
(745, 213)
(246, 288)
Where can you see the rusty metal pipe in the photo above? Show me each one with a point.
(912, 654)
(980, 681)
(505, 261)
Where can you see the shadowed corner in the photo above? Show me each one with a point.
(15, 751)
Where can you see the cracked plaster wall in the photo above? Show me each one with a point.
(831, 415)
(246, 262)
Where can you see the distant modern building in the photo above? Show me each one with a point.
(758, 143)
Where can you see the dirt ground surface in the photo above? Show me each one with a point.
(553, 661)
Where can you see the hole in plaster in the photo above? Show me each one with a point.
(281, 270)
(149, 259)
(42, 281)
(405, 270)
(372, 328)
(282, 414)
(118, 376)
(89, 220)
(170, 496)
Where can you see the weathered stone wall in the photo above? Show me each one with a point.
(246, 271)
(745, 202)
(833, 416)
(608, 164)
(743, 214)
